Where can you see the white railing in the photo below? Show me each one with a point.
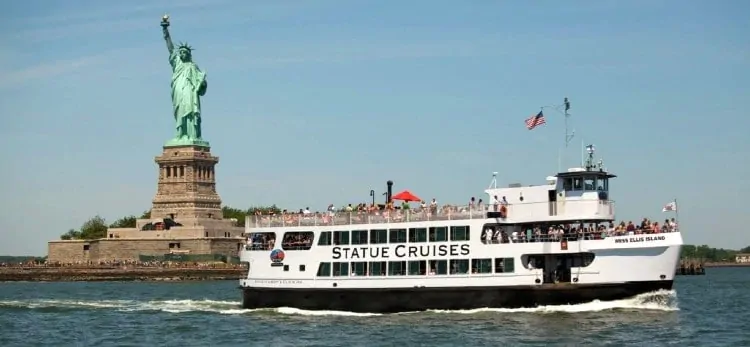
(444, 213)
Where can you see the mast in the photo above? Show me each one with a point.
(568, 133)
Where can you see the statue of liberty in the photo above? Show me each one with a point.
(188, 85)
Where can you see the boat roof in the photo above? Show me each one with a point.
(581, 172)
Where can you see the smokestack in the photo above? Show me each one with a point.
(389, 191)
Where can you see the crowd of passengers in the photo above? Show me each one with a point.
(571, 232)
(112, 264)
(390, 210)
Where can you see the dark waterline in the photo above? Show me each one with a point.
(706, 310)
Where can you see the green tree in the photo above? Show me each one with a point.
(72, 234)
(146, 214)
(94, 228)
(239, 215)
(124, 222)
(709, 254)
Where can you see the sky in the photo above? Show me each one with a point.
(318, 102)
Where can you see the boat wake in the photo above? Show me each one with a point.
(659, 301)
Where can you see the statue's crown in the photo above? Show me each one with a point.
(184, 45)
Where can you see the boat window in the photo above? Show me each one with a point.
(418, 235)
(568, 184)
(261, 241)
(417, 267)
(481, 266)
(297, 241)
(341, 237)
(359, 268)
(460, 233)
(340, 269)
(504, 265)
(459, 266)
(324, 270)
(378, 236)
(438, 234)
(324, 239)
(397, 236)
(582, 259)
(396, 268)
(589, 183)
(577, 183)
(377, 268)
(603, 184)
(359, 237)
(438, 267)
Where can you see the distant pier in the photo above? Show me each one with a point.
(690, 268)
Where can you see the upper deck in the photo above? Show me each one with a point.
(576, 210)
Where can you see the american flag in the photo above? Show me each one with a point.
(672, 206)
(535, 121)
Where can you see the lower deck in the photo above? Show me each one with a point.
(392, 300)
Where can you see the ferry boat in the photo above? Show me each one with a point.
(529, 246)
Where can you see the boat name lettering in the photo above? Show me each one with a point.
(400, 251)
(277, 282)
(641, 239)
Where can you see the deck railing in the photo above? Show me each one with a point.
(444, 213)
(362, 217)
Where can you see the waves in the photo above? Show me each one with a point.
(655, 301)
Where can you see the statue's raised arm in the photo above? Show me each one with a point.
(167, 38)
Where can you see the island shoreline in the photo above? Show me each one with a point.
(124, 274)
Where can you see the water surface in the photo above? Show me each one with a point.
(710, 310)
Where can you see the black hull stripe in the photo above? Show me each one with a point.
(392, 300)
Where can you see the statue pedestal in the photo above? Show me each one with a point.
(187, 185)
(186, 142)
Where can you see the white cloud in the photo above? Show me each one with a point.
(15, 77)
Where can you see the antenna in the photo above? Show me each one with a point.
(493, 183)
(568, 133)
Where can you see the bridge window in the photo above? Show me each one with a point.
(504, 265)
(418, 235)
(589, 183)
(359, 268)
(396, 268)
(377, 268)
(438, 267)
(378, 236)
(297, 241)
(603, 184)
(577, 183)
(568, 184)
(341, 237)
(359, 237)
(324, 239)
(340, 269)
(438, 234)
(481, 266)
(324, 270)
(460, 233)
(417, 267)
(397, 235)
(459, 266)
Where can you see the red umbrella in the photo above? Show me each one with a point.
(406, 196)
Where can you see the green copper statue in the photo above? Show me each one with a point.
(188, 85)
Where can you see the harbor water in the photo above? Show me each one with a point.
(710, 310)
